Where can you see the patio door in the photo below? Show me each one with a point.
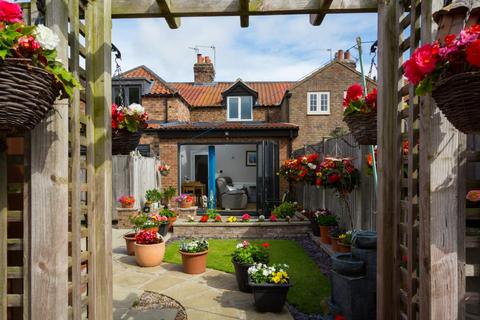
(267, 179)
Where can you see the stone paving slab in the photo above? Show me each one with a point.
(210, 296)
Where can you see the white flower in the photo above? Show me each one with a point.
(46, 37)
(239, 245)
(312, 166)
(136, 108)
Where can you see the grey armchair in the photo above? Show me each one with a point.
(230, 198)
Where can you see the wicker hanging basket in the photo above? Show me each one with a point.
(27, 93)
(124, 141)
(458, 97)
(363, 127)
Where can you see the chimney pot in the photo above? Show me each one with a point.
(199, 58)
(203, 70)
(340, 55)
(207, 59)
(347, 55)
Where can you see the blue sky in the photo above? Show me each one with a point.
(272, 48)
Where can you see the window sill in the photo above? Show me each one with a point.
(318, 114)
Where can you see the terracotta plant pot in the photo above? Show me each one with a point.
(130, 242)
(186, 204)
(127, 206)
(194, 263)
(152, 229)
(171, 221)
(335, 244)
(324, 234)
(343, 248)
(150, 255)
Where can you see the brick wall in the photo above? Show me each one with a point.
(177, 109)
(335, 78)
(204, 114)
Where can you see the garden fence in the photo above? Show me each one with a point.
(362, 200)
(134, 174)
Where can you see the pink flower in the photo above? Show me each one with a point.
(273, 218)
(245, 243)
(28, 45)
(426, 58)
(412, 72)
(10, 12)
(473, 195)
(246, 217)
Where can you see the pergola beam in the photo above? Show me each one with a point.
(244, 7)
(192, 8)
(165, 5)
(316, 19)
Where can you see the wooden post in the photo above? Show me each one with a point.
(100, 227)
(389, 170)
(3, 228)
(442, 201)
(49, 195)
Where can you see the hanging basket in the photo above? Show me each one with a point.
(27, 94)
(124, 141)
(363, 127)
(458, 98)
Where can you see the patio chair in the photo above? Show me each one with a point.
(228, 196)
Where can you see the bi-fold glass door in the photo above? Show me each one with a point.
(267, 180)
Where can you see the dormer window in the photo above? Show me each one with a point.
(240, 108)
(129, 95)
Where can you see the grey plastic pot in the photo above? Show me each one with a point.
(365, 239)
(269, 297)
(346, 264)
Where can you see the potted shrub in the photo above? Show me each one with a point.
(149, 248)
(345, 242)
(246, 255)
(126, 201)
(450, 70)
(360, 114)
(31, 77)
(138, 219)
(335, 233)
(127, 127)
(171, 217)
(167, 195)
(285, 209)
(152, 197)
(164, 169)
(326, 220)
(184, 200)
(162, 224)
(194, 256)
(270, 286)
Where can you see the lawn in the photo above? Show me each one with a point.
(310, 287)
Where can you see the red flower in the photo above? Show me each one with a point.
(450, 40)
(147, 237)
(273, 218)
(354, 92)
(204, 218)
(10, 12)
(426, 58)
(266, 245)
(27, 45)
(412, 72)
(218, 218)
(371, 99)
(473, 195)
(405, 146)
(473, 53)
(318, 182)
(334, 178)
(339, 317)
(370, 160)
(2, 26)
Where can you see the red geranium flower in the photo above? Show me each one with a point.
(333, 178)
(412, 72)
(426, 58)
(473, 195)
(371, 99)
(354, 92)
(204, 218)
(339, 317)
(266, 245)
(27, 45)
(10, 12)
(473, 53)
(273, 218)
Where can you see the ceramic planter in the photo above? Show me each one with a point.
(324, 234)
(241, 273)
(269, 297)
(346, 264)
(344, 248)
(150, 255)
(335, 244)
(171, 221)
(163, 229)
(194, 263)
(130, 243)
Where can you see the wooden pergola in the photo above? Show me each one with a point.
(61, 171)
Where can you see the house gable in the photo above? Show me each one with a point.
(240, 88)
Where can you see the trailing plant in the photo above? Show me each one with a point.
(261, 273)
(131, 118)
(37, 43)
(249, 253)
(194, 246)
(285, 209)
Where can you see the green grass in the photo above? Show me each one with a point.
(310, 287)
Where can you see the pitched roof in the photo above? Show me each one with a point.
(210, 95)
(159, 87)
(202, 126)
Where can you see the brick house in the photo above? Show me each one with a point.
(241, 130)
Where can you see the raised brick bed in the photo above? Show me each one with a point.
(254, 229)
(123, 215)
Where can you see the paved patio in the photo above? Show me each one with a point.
(211, 296)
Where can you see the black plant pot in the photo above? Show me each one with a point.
(163, 229)
(346, 264)
(241, 273)
(269, 297)
(315, 227)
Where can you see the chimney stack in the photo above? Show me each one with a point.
(346, 58)
(203, 70)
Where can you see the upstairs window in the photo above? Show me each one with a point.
(131, 94)
(240, 108)
(318, 103)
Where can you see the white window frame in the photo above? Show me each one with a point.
(319, 96)
(239, 115)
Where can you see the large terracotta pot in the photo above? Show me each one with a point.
(335, 244)
(343, 248)
(171, 221)
(194, 263)
(186, 204)
(130, 242)
(150, 255)
(127, 206)
(324, 234)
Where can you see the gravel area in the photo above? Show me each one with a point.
(323, 262)
(152, 300)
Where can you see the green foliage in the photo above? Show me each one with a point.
(354, 107)
(250, 253)
(425, 86)
(168, 213)
(327, 220)
(211, 213)
(310, 286)
(153, 195)
(286, 209)
(138, 220)
(168, 193)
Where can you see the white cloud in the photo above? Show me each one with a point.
(272, 48)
